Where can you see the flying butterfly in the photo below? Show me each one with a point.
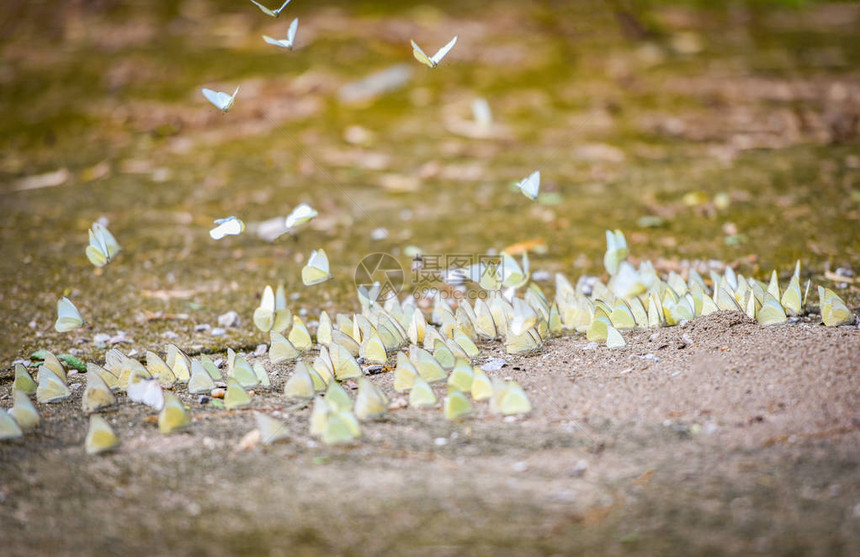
(301, 214)
(222, 101)
(317, 269)
(530, 185)
(432, 61)
(230, 226)
(267, 11)
(103, 246)
(289, 41)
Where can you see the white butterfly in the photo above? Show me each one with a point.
(68, 316)
(267, 11)
(530, 186)
(222, 101)
(146, 391)
(291, 36)
(231, 226)
(317, 269)
(302, 214)
(103, 246)
(432, 61)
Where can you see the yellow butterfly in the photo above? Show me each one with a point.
(457, 406)
(514, 400)
(614, 338)
(23, 411)
(345, 366)
(340, 427)
(9, 428)
(461, 377)
(272, 314)
(243, 373)
(792, 299)
(370, 402)
(317, 269)
(323, 365)
(428, 368)
(210, 367)
(616, 251)
(103, 246)
(324, 329)
(160, 370)
(100, 436)
(23, 381)
(405, 373)
(51, 388)
(200, 382)
(236, 396)
(281, 349)
(771, 312)
(524, 343)
(68, 316)
(421, 395)
(432, 61)
(443, 355)
(262, 375)
(111, 380)
(416, 328)
(337, 398)
(373, 350)
(179, 363)
(300, 385)
(345, 341)
(271, 430)
(173, 416)
(834, 310)
(482, 387)
(319, 416)
(53, 363)
(97, 395)
(299, 335)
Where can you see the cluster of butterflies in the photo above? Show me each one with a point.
(344, 350)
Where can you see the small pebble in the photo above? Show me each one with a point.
(261, 350)
(541, 276)
(217, 332)
(494, 364)
(590, 346)
(440, 441)
(203, 399)
(579, 468)
(520, 466)
(101, 338)
(76, 352)
(218, 392)
(203, 327)
(169, 335)
(133, 352)
(229, 319)
(379, 234)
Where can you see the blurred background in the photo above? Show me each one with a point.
(705, 131)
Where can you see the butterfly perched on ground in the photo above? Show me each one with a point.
(291, 36)
(230, 226)
(103, 246)
(273, 13)
(68, 316)
(222, 101)
(432, 61)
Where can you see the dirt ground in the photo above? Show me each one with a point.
(717, 437)
(728, 132)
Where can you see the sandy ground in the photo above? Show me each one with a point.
(717, 437)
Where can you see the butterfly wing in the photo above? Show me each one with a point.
(421, 57)
(442, 52)
(291, 33)
(279, 10)
(214, 96)
(266, 10)
(530, 186)
(317, 269)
